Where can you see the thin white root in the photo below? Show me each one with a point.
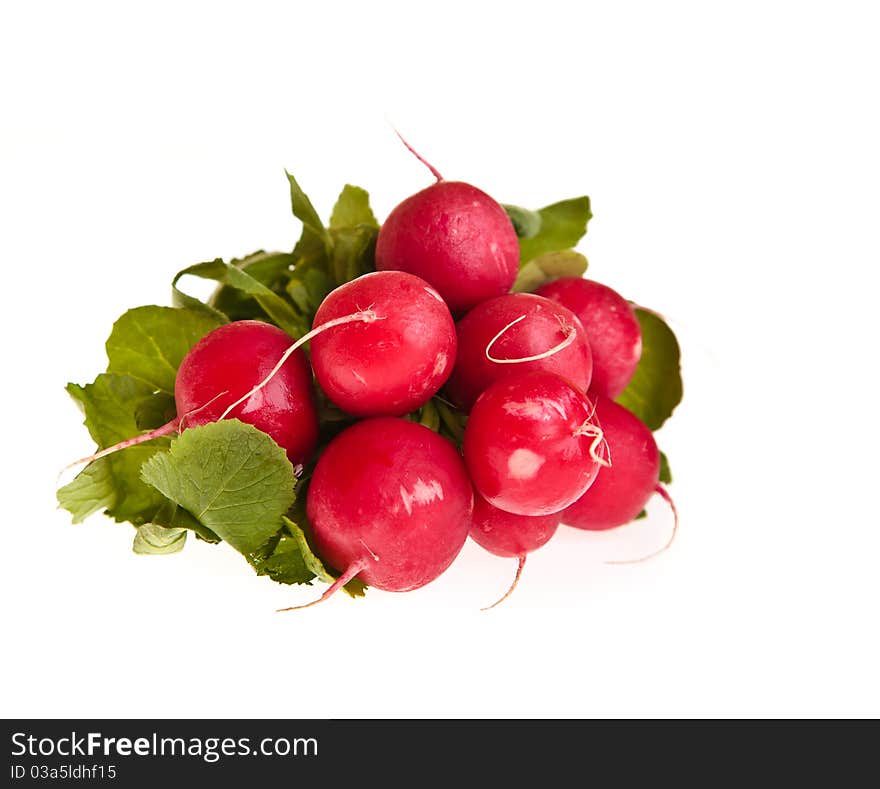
(589, 429)
(351, 572)
(519, 569)
(664, 494)
(570, 335)
(364, 316)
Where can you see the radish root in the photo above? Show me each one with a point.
(569, 332)
(519, 569)
(165, 430)
(353, 569)
(174, 426)
(598, 435)
(664, 494)
(418, 156)
(365, 316)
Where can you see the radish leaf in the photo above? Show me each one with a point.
(158, 540)
(563, 224)
(111, 405)
(352, 209)
(271, 269)
(313, 229)
(232, 478)
(148, 343)
(547, 267)
(655, 388)
(281, 311)
(665, 473)
(526, 224)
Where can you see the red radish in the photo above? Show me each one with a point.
(612, 327)
(457, 238)
(389, 502)
(506, 534)
(394, 365)
(232, 359)
(514, 334)
(224, 374)
(532, 445)
(620, 492)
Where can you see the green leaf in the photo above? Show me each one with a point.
(312, 249)
(313, 228)
(563, 224)
(655, 388)
(352, 209)
(293, 562)
(429, 416)
(148, 343)
(112, 405)
(452, 421)
(232, 478)
(286, 564)
(665, 473)
(526, 223)
(171, 516)
(309, 285)
(547, 267)
(154, 411)
(91, 490)
(354, 252)
(355, 587)
(278, 309)
(158, 540)
(271, 269)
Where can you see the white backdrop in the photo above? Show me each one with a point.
(730, 150)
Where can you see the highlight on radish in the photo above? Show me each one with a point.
(533, 445)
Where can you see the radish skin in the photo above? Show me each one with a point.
(457, 238)
(620, 492)
(391, 366)
(514, 334)
(612, 328)
(527, 446)
(392, 499)
(505, 534)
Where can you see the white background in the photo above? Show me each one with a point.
(730, 150)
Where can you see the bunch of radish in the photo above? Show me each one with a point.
(418, 400)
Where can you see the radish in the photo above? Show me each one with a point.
(233, 371)
(456, 237)
(227, 362)
(532, 445)
(612, 327)
(514, 334)
(394, 365)
(621, 492)
(389, 502)
(509, 535)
